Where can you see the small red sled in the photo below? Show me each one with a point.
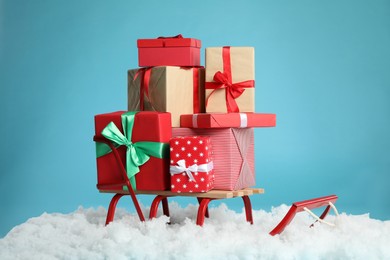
(205, 198)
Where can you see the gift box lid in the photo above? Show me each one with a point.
(175, 41)
(159, 121)
(221, 120)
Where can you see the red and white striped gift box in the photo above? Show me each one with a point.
(233, 155)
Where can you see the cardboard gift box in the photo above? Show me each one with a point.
(142, 141)
(169, 51)
(233, 155)
(191, 164)
(167, 89)
(230, 79)
(220, 120)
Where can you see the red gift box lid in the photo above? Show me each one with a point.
(168, 42)
(220, 120)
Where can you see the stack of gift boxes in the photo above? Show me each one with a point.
(187, 128)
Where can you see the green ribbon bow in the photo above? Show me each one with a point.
(137, 153)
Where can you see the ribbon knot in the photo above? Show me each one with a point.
(189, 170)
(128, 144)
(222, 78)
(235, 89)
(181, 167)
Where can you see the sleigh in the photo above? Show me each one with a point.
(203, 199)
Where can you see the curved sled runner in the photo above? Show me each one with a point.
(306, 205)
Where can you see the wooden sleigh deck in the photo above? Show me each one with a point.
(204, 199)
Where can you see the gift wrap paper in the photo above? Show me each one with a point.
(195, 154)
(242, 68)
(169, 51)
(233, 155)
(220, 120)
(170, 89)
(148, 126)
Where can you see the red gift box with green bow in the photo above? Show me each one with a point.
(142, 141)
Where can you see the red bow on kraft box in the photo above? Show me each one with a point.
(230, 82)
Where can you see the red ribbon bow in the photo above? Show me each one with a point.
(224, 80)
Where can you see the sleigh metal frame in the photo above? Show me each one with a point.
(203, 199)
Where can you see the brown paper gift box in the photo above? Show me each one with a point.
(242, 69)
(171, 89)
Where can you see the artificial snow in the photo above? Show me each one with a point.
(225, 235)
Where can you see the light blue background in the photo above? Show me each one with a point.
(321, 66)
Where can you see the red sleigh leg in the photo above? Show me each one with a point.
(112, 207)
(154, 206)
(203, 208)
(248, 209)
(207, 208)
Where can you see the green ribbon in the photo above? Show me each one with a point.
(137, 153)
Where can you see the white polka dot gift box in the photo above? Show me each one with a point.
(191, 165)
(233, 155)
